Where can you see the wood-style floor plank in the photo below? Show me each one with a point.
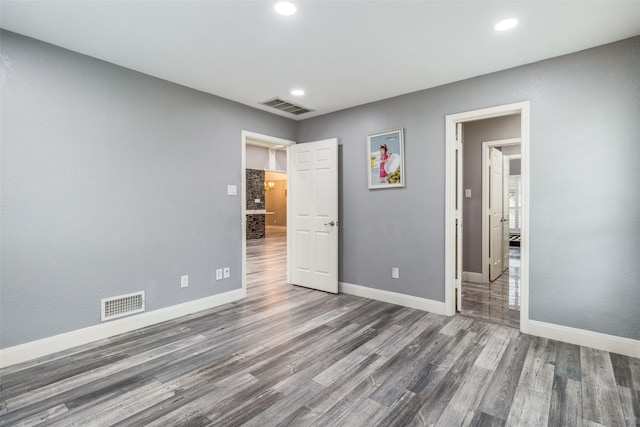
(291, 356)
(566, 402)
(600, 397)
(532, 400)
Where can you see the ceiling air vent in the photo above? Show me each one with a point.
(286, 106)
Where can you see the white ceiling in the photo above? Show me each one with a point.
(343, 53)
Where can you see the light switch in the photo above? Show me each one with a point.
(467, 193)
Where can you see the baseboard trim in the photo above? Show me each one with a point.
(473, 277)
(610, 343)
(394, 298)
(43, 347)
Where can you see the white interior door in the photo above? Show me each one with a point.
(505, 213)
(495, 214)
(313, 185)
(458, 278)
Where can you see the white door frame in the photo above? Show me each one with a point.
(269, 141)
(486, 146)
(522, 108)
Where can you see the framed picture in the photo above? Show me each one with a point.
(385, 154)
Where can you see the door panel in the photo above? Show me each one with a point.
(495, 214)
(302, 258)
(314, 215)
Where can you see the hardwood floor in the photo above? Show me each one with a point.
(498, 301)
(289, 356)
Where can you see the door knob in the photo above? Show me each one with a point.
(332, 223)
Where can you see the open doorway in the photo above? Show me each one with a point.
(311, 258)
(264, 212)
(490, 288)
(458, 195)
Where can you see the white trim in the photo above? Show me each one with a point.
(522, 108)
(472, 276)
(485, 198)
(610, 343)
(431, 306)
(259, 140)
(35, 349)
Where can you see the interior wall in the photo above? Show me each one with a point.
(257, 157)
(281, 160)
(515, 167)
(583, 162)
(474, 134)
(276, 199)
(112, 182)
(255, 194)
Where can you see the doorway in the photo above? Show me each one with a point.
(454, 204)
(312, 210)
(490, 288)
(264, 198)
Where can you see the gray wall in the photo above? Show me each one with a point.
(281, 160)
(515, 167)
(112, 182)
(257, 157)
(474, 134)
(509, 150)
(585, 203)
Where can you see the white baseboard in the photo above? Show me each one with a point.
(34, 349)
(610, 343)
(394, 298)
(470, 276)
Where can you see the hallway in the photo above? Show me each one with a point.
(497, 301)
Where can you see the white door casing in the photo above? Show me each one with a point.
(495, 214)
(458, 217)
(505, 212)
(451, 121)
(313, 215)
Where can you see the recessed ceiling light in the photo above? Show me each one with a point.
(285, 8)
(506, 24)
(297, 92)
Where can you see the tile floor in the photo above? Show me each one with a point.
(497, 301)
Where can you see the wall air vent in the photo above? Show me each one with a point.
(286, 106)
(122, 305)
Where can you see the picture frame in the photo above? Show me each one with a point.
(386, 148)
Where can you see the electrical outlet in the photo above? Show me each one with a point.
(227, 273)
(395, 272)
(467, 193)
(232, 190)
(219, 274)
(184, 281)
(256, 200)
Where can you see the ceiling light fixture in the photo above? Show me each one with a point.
(506, 24)
(285, 8)
(297, 92)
